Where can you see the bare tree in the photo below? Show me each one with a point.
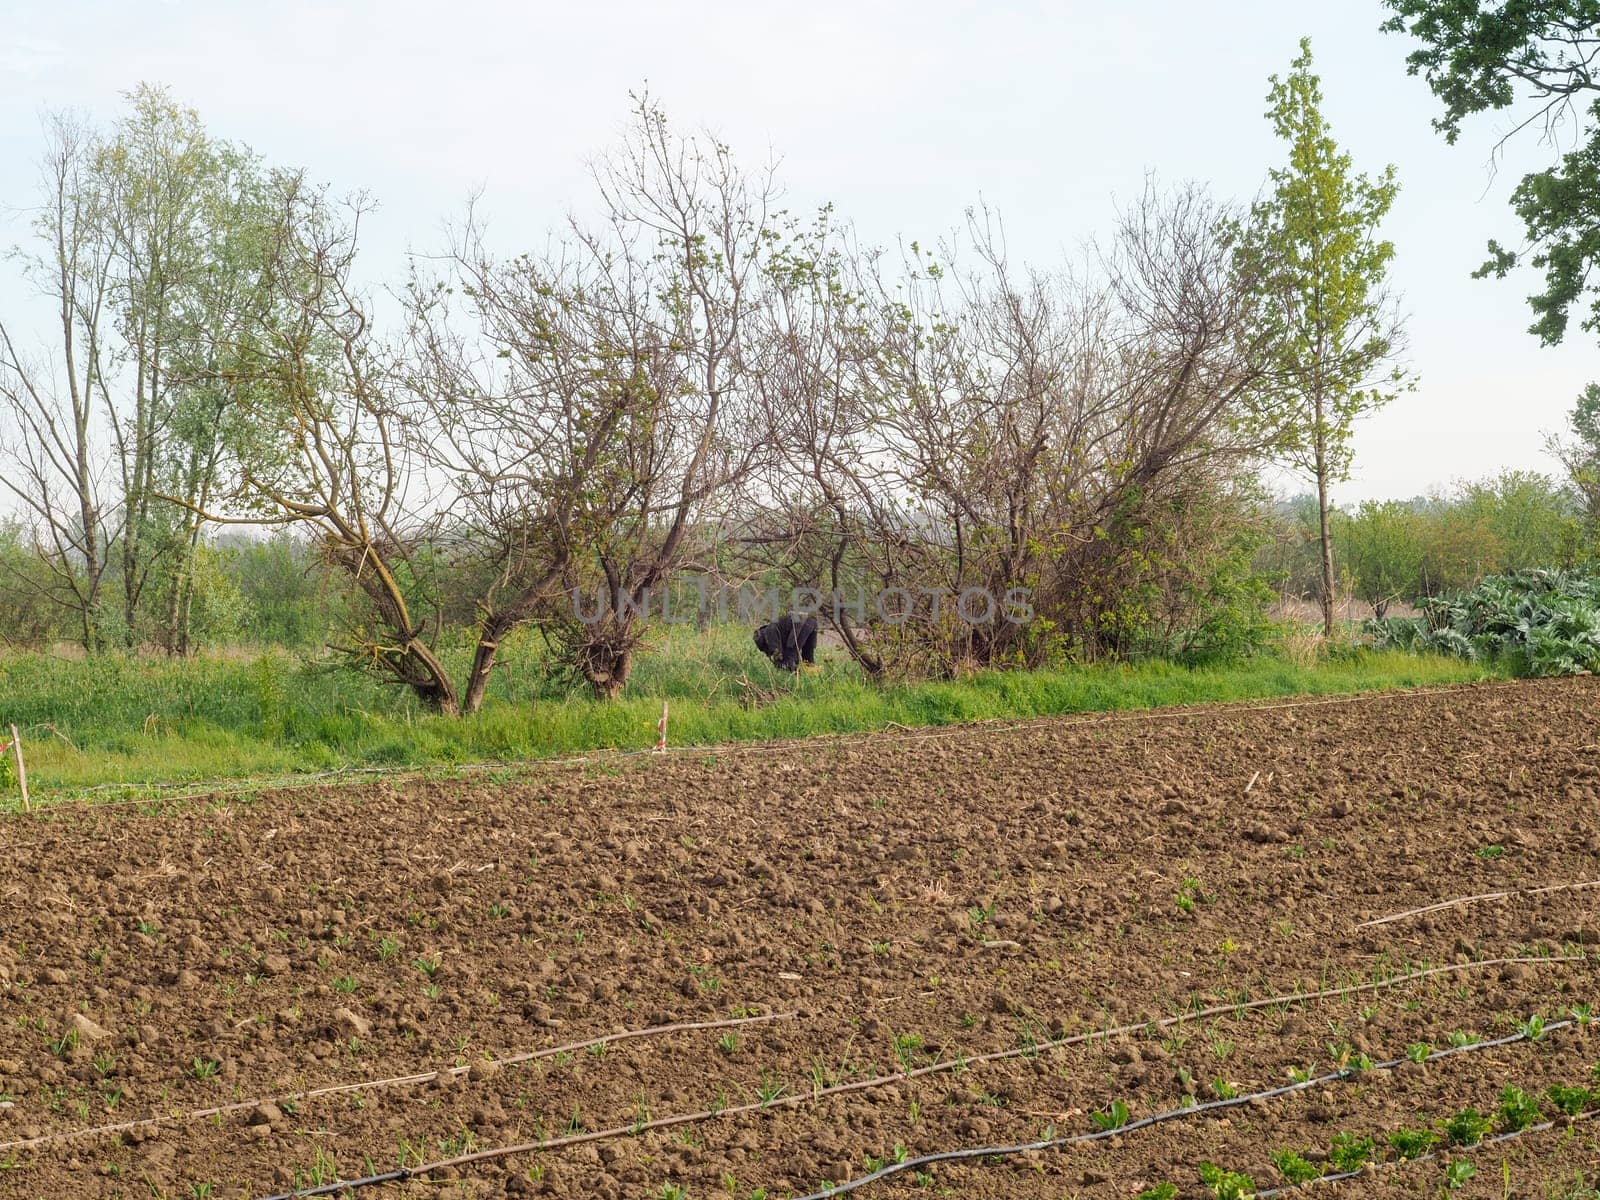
(56, 406)
(811, 508)
(947, 426)
(526, 405)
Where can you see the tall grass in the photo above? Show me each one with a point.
(126, 720)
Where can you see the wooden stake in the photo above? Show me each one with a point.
(661, 727)
(22, 769)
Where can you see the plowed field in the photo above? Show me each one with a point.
(883, 947)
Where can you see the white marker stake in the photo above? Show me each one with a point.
(661, 728)
(22, 769)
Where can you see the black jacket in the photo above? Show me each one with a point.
(787, 641)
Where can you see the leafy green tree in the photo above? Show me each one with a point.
(151, 245)
(1322, 270)
(1579, 453)
(1481, 56)
(1383, 552)
(293, 598)
(1532, 519)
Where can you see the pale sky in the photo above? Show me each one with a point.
(902, 114)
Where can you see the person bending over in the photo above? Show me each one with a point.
(788, 642)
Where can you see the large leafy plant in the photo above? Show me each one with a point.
(1539, 622)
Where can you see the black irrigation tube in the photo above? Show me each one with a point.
(972, 1152)
(404, 1174)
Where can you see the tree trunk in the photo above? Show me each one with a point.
(606, 667)
(1327, 542)
(434, 686)
(483, 658)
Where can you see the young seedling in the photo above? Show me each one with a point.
(1458, 1172)
(1418, 1052)
(1348, 1152)
(1518, 1110)
(906, 1046)
(1224, 1184)
(1294, 1168)
(1161, 1191)
(1532, 1028)
(1411, 1143)
(205, 1068)
(769, 1089)
(1569, 1101)
(1467, 1128)
(1114, 1117)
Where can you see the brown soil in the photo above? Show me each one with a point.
(892, 902)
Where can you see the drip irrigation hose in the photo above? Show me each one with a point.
(1430, 1156)
(391, 1081)
(1464, 900)
(945, 1156)
(952, 1064)
(784, 1102)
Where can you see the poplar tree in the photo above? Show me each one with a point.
(1321, 275)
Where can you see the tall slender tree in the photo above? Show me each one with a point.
(1322, 278)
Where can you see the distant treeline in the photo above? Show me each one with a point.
(1403, 551)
